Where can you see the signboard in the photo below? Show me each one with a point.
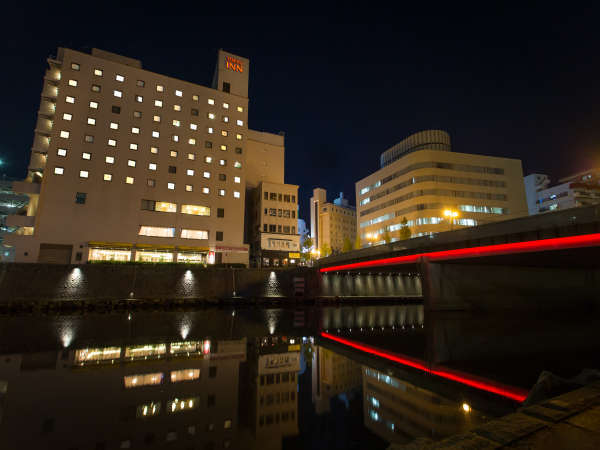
(234, 64)
(294, 255)
(279, 362)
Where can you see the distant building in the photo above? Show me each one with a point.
(421, 177)
(534, 183)
(580, 189)
(303, 231)
(331, 223)
(11, 204)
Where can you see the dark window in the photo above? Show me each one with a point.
(238, 150)
(285, 378)
(293, 230)
(116, 109)
(140, 83)
(272, 228)
(211, 401)
(148, 205)
(226, 86)
(266, 195)
(151, 182)
(212, 370)
(137, 114)
(78, 256)
(47, 425)
(293, 214)
(265, 227)
(220, 212)
(219, 236)
(222, 177)
(172, 169)
(286, 229)
(273, 196)
(270, 378)
(194, 112)
(207, 144)
(286, 198)
(293, 199)
(96, 88)
(279, 228)
(280, 197)
(266, 211)
(80, 197)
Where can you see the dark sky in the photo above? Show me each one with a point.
(520, 82)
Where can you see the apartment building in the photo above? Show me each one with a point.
(332, 224)
(131, 165)
(435, 189)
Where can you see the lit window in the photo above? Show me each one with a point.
(117, 93)
(86, 155)
(75, 66)
(192, 156)
(146, 379)
(240, 122)
(107, 177)
(73, 83)
(112, 142)
(64, 134)
(226, 105)
(156, 231)
(154, 150)
(156, 118)
(225, 119)
(189, 188)
(240, 109)
(137, 114)
(205, 190)
(59, 170)
(175, 138)
(133, 146)
(177, 405)
(95, 88)
(171, 186)
(159, 88)
(84, 174)
(155, 134)
(210, 130)
(67, 116)
(70, 99)
(190, 172)
(192, 141)
(98, 72)
(135, 130)
(184, 375)
(139, 98)
(140, 83)
(211, 101)
(208, 159)
(193, 126)
(223, 147)
(173, 153)
(222, 162)
(206, 174)
(194, 234)
(158, 103)
(109, 160)
(237, 180)
(129, 180)
(221, 192)
(177, 107)
(196, 210)
(152, 166)
(238, 137)
(195, 98)
(224, 133)
(237, 165)
(120, 78)
(236, 194)
(114, 126)
(61, 152)
(178, 93)
(176, 123)
(131, 162)
(227, 424)
(211, 115)
(94, 105)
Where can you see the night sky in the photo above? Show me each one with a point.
(520, 82)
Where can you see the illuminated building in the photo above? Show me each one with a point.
(331, 223)
(580, 189)
(421, 177)
(14, 206)
(130, 165)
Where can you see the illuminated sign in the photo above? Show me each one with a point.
(294, 255)
(234, 64)
(279, 362)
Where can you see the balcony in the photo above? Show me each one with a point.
(26, 187)
(43, 126)
(49, 90)
(47, 108)
(20, 221)
(37, 161)
(40, 143)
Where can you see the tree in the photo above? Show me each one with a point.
(347, 245)
(405, 232)
(386, 237)
(306, 248)
(325, 250)
(357, 244)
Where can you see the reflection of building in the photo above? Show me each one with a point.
(399, 411)
(13, 205)
(580, 189)
(420, 177)
(332, 374)
(183, 393)
(331, 223)
(271, 204)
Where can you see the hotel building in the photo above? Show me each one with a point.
(127, 164)
(331, 223)
(421, 177)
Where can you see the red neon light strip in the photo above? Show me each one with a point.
(563, 243)
(512, 392)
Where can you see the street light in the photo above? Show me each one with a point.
(451, 215)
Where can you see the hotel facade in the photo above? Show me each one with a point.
(131, 165)
(421, 179)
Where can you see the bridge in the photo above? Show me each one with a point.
(543, 261)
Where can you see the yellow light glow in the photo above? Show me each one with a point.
(466, 408)
(450, 213)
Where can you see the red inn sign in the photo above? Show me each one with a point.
(234, 64)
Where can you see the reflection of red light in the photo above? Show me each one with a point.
(206, 347)
(584, 240)
(512, 392)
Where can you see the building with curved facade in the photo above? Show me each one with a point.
(421, 177)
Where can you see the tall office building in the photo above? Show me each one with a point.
(331, 223)
(420, 178)
(128, 164)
